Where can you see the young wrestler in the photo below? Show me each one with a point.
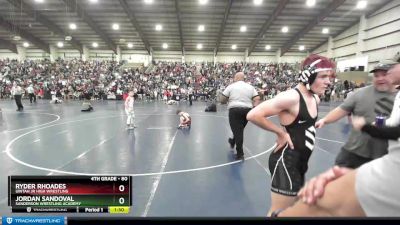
(185, 121)
(297, 112)
(130, 100)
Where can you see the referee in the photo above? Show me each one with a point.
(241, 97)
(17, 91)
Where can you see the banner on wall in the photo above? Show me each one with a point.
(353, 64)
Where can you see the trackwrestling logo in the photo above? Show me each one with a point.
(33, 220)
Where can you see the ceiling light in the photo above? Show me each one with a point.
(93, 1)
(95, 45)
(203, 2)
(285, 29)
(72, 26)
(25, 44)
(158, 27)
(165, 46)
(39, 1)
(234, 47)
(130, 45)
(325, 30)
(16, 38)
(115, 26)
(60, 44)
(257, 2)
(148, 1)
(268, 47)
(201, 28)
(301, 47)
(68, 38)
(361, 4)
(199, 46)
(243, 28)
(310, 3)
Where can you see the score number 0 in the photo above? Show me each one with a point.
(121, 188)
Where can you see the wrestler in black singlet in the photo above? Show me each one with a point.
(288, 166)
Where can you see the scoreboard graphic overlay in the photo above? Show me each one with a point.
(74, 194)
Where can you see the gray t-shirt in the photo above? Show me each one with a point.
(240, 94)
(377, 182)
(368, 103)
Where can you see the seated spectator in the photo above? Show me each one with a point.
(55, 100)
(86, 106)
(172, 102)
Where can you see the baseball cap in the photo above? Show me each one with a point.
(383, 65)
(396, 58)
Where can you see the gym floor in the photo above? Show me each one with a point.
(176, 173)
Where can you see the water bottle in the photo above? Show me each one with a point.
(380, 120)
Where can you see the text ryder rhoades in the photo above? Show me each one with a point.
(41, 186)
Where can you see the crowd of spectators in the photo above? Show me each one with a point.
(75, 79)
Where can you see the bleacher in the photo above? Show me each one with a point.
(150, 69)
(132, 65)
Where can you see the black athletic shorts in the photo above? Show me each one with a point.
(288, 167)
(350, 160)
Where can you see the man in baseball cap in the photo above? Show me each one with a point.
(383, 66)
(368, 102)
